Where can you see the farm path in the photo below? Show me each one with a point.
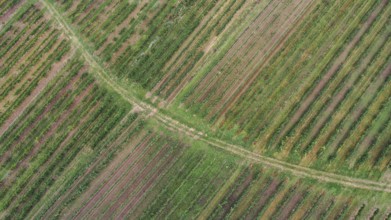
(103, 76)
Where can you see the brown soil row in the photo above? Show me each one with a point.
(177, 60)
(118, 175)
(291, 205)
(146, 186)
(339, 211)
(309, 204)
(355, 115)
(22, 41)
(91, 168)
(134, 37)
(233, 198)
(272, 46)
(271, 189)
(127, 185)
(328, 75)
(207, 53)
(34, 94)
(242, 45)
(372, 214)
(24, 163)
(354, 214)
(58, 151)
(124, 24)
(324, 208)
(4, 18)
(27, 131)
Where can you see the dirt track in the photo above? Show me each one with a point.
(102, 75)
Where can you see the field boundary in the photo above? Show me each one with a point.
(102, 76)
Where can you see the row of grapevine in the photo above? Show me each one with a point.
(7, 8)
(116, 31)
(44, 51)
(327, 91)
(57, 136)
(260, 193)
(234, 71)
(177, 71)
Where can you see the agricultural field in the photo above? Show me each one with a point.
(204, 109)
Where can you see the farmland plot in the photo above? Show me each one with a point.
(258, 193)
(117, 31)
(58, 132)
(51, 111)
(44, 51)
(83, 137)
(278, 58)
(315, 82)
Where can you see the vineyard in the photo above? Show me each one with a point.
(181, 109)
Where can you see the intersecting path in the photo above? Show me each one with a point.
(103, 76)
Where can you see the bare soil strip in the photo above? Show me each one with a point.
(336, 65)
(290, 206)
(5, 17)
(57, 152)
(128, 184)
(35, 93)
(103, 76)
(74, 186)
(37, 147)
(143, 187)
(116, 33)
(117, 176)
(273, 47)
(177, 57)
